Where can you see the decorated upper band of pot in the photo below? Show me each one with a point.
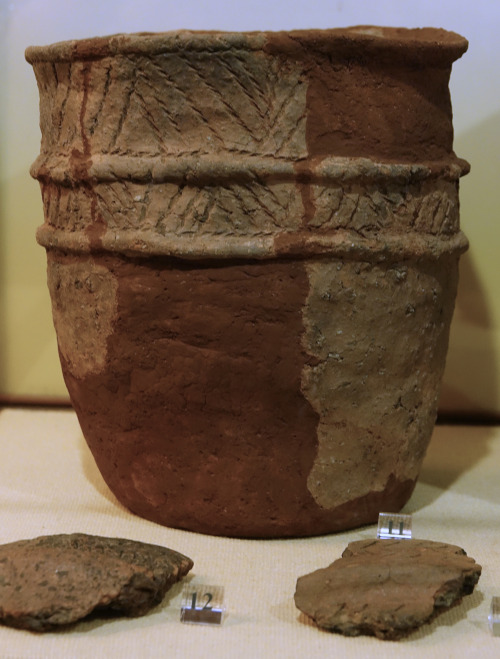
(428, 44)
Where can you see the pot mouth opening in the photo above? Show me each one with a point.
(429, 45)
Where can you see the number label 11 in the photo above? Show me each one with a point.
(392, 526)
(202, 605)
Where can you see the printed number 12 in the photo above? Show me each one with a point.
(207, 606)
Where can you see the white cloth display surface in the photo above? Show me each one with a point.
(49, 484)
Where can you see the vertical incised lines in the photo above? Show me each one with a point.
(123, 114)
(62, 108)
(107, 84)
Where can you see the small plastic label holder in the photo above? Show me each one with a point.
(393, 526)
(202, 605)
(494, 616)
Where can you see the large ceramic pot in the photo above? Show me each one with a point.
(252, 243)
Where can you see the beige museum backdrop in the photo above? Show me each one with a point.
(29, 368)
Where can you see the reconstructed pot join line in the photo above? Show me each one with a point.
(253, 243)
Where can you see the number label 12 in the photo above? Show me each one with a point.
(202, 605)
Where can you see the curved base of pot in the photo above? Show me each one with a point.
(234, 419)
(246, 522)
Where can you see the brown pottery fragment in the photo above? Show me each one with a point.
(253, 244)
(52, 581)
(387, 588)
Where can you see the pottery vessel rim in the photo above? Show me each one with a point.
(418, 44)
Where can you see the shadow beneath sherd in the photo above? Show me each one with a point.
(104, 621)
(449, 617)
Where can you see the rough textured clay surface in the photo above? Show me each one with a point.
(52, 581)
(253, 244)
(387, 588)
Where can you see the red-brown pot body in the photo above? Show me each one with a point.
(252, 244)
